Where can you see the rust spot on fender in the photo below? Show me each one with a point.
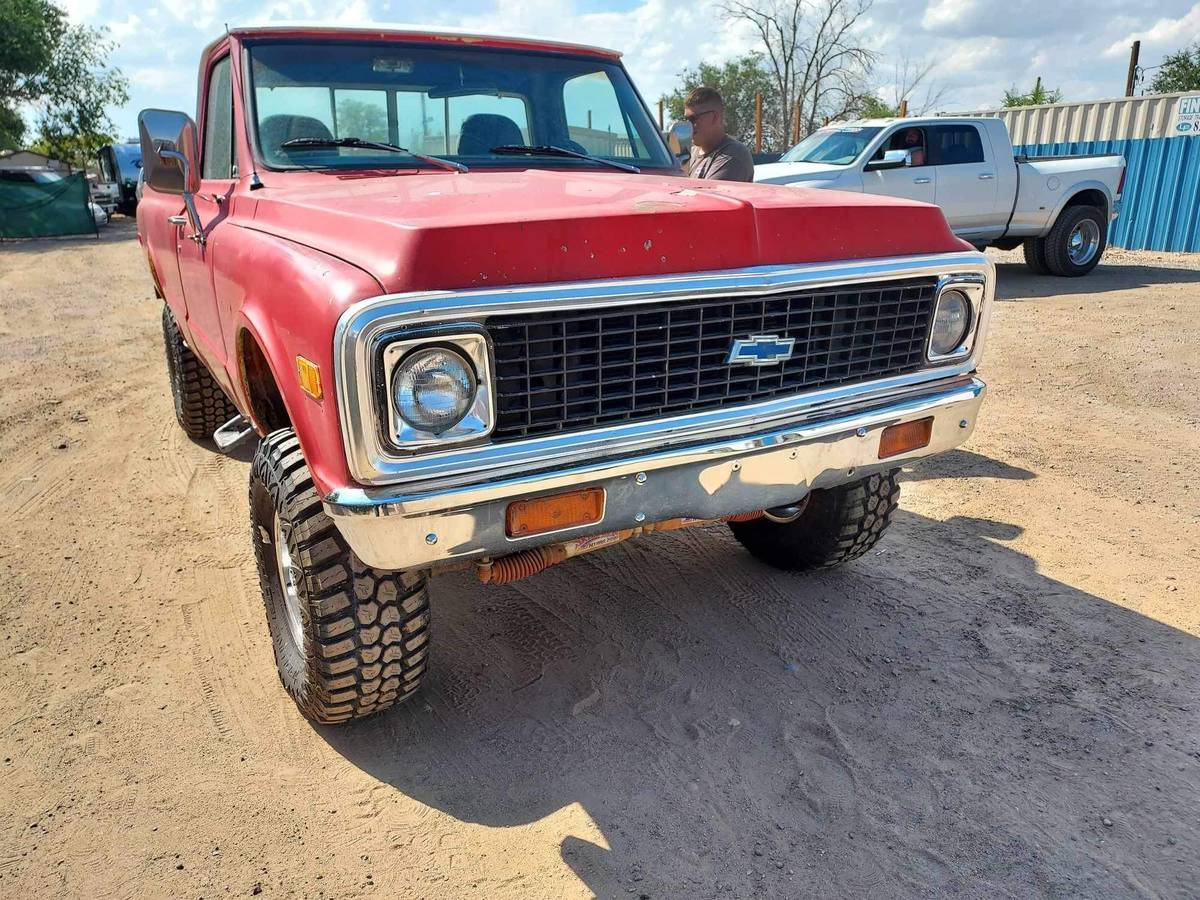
(656, 205)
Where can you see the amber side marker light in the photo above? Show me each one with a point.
(897, 439)
(528, 517)
(310, 377)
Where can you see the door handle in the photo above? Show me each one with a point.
(986, 176)
(920, 181)
(177, 220)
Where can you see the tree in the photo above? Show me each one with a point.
(914, 87)
(737, 81)
(1039, 96)
(61, 71)
(1180, 71)
(812, 52)
(357, 118)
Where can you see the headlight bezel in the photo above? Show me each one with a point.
(473, 346)
(972, 287)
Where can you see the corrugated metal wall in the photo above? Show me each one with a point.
(1160, 206)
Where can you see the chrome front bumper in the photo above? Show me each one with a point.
(407, 528)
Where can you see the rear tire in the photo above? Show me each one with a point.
(837, 525)
(349, 640)
(1076, 242)
(1035, 256)
(200, 405)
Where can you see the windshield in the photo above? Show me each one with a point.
(449, 102)
(835, 146)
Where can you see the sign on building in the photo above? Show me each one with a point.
(1187, 116)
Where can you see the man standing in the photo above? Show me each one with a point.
(714, 153)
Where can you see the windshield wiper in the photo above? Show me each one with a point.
(373, 145)
(551, 150)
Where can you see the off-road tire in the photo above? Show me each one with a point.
(1035, 255)
(365, 631)
(1057, 259)
(837, 525)
(200, 405)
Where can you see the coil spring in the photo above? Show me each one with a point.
(519, 565)
(745, 517)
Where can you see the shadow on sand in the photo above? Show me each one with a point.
(1014, 281)
(937, 718)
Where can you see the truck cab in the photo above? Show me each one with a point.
(967, 167)
(458, 292)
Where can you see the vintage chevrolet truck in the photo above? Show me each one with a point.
(461, 293)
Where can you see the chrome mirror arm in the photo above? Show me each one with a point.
(197, 231)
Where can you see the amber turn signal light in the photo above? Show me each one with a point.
(897, 439)
(554, 513)
(310, 377)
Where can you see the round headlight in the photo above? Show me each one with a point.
(950, 323)
(433, 389)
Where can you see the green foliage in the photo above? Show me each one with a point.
(1039, 96)
(737, 81)
(357, 118)
(874, 108)
(1180, 71)
(61, 71)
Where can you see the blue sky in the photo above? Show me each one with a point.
(980, 47)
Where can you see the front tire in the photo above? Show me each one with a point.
(1077, 241)
(349, 640)
(837, 525)
(200, 405)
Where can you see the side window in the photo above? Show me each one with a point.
(361, 114)
(952, 145)
(594, 118)
(218, 124)
(501, 118)
(911, 139)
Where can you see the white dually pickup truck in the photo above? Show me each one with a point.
(1058, 207)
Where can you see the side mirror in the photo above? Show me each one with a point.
(170, 158)
(679, 138)
(169, 151)
(892, 159)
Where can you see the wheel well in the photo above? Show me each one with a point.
(1090, 197)
(266, 402)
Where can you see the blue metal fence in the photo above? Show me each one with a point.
(1160, 205)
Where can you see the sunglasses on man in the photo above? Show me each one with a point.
(691, 120)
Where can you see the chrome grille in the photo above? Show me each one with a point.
(569, 370)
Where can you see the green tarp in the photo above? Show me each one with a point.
(45, 208)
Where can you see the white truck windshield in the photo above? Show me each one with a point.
(837, 146)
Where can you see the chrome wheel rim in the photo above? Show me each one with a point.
(289, 577)
(1083, 242)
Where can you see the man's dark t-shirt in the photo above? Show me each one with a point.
(728, 161)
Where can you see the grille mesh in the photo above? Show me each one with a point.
(569, 370)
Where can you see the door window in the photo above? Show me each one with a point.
(911, 139)
(218, 124)
(595, 119)
(952, 145)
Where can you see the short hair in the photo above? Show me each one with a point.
(706, 97)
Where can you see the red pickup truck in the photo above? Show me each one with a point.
(460, 291)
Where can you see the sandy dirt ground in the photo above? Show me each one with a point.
(1001, 700)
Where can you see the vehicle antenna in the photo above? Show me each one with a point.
(255, 181)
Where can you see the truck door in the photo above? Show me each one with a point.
(915, 182)
(966, 179)
(217, 171)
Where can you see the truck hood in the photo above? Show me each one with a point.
(790, 172)
(445, 231)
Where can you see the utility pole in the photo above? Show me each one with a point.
(660, 113)
(1133, 61)
(758, 122)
